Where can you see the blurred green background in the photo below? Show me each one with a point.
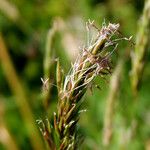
(24, 26)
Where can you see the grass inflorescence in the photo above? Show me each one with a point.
(93, 61)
